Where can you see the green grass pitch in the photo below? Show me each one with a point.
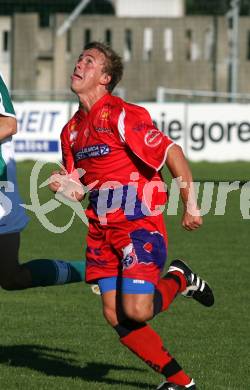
(56, 338)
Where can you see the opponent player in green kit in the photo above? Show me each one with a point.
(13, 219)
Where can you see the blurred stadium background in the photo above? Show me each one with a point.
(186, 45)
(188, 62)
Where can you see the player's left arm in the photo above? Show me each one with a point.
(138, 131)
(179, 168)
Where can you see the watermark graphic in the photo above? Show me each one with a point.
(112, 196)
(5, 202)
(132, 201)
(41, 210)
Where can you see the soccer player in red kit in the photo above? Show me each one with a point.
(121, 153)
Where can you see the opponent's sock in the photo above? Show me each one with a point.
(46, 272)
(167, 289)
(143, 341)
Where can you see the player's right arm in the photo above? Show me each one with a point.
(57, 178)
(66, 181)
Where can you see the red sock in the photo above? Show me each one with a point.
(169, 287)
(148, 346)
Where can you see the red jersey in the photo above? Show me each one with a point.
(121, 152)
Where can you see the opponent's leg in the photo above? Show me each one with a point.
(45, 272)
(12, 275)
(35, 273)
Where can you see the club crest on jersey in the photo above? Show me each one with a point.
(102, 124)
(153, 138)
(105, 114)
(129, 257)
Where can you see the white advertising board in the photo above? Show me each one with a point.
(39, 128)
(211, 132)
(218, 132)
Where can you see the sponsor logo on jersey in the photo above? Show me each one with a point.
(92, 151)
(153, 138)
(140, 126)
(103, 130)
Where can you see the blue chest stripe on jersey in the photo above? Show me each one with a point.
(130, 203)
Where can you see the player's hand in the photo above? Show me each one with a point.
(56, 180)
(62, 182)
(73, 190)
(191, 220)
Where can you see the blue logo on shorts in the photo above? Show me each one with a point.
(150, 247)
(129, 257)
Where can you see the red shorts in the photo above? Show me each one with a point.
(132, 249)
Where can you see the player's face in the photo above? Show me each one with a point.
(88, 73)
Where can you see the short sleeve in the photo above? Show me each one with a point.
(137, 130)
(6, 106)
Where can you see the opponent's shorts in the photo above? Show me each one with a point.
(132, 249)
(13, 218)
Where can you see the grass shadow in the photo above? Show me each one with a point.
(49, 361)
